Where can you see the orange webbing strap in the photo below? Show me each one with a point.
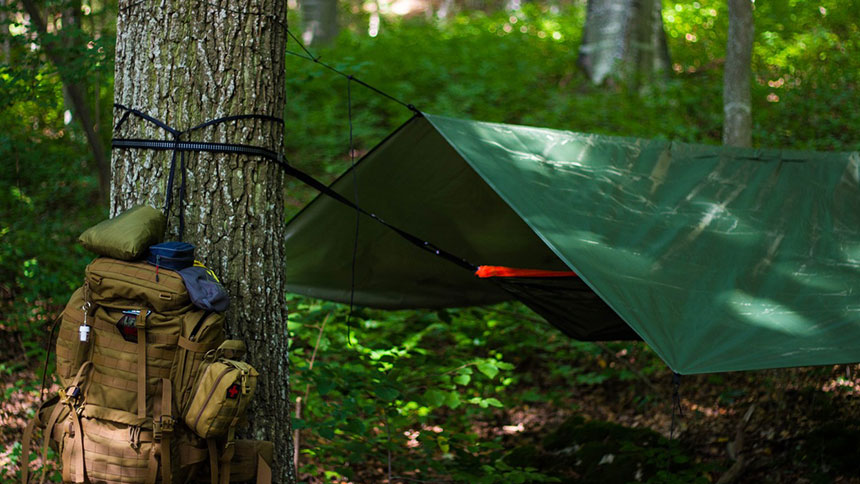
(213, 460)
(502, 271)
(140, 324)
(264, 471)
(163, 428)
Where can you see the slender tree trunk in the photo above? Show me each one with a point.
(5, 47)
(186, 63)
(624, 39)
(320, 21)
(737, 108)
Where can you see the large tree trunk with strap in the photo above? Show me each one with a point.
(185, 63)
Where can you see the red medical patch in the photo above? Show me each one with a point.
(233, 390)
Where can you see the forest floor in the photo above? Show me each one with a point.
(789, 426)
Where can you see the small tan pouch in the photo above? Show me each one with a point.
(223, 390)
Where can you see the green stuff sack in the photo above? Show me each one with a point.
(221, 395)
(126, 236)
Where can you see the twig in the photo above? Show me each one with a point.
(737, 448)
(297, 432)
(628, 365)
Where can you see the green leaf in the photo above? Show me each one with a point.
(386, 393)
(434, 397)
(462, 379)
(488, 368)
(492, 401)
(452, 399)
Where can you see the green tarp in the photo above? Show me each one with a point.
(720, 258)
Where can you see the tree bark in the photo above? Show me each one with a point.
(624, 39)
(737, 107)
(76, 95)
(185, 63)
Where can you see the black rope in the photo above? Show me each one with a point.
(176, 145)
(54, 325)
(182, 195)
(357, 213)
(676, 402)
(316, 59)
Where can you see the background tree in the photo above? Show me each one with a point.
(624, 38)
(62, 46)
(737, 109)
(186, 63)
(319, 19)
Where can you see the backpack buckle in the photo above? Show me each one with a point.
(161, 426)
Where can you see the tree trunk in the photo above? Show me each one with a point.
(5, 46)
(624, 39)
(185, 63)
(737, 108)
(320, 21)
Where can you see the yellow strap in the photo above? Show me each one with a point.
(49, 429)
(197, 347)
(78, 450)
(129, 366)
(140, 324)
(25, 449)
(166, 424)
(264, 471)
(225, 472)
(213, 461)
(189, 455)
(152, 475)
(153, 338)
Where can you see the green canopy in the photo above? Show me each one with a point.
(720, 258)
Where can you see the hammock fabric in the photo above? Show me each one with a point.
(719, 258)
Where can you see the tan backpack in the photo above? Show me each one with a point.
(152, 390)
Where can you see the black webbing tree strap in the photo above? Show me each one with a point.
(178, 146)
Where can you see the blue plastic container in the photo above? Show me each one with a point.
(171, 255)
